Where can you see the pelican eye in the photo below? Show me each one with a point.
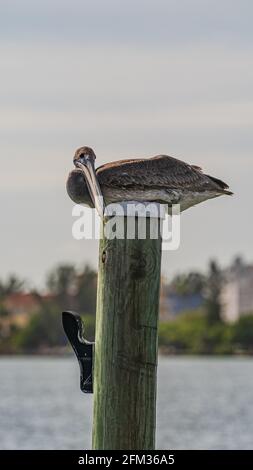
(84, 155)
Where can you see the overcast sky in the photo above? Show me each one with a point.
(128, 78)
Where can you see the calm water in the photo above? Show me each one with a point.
(202, 404)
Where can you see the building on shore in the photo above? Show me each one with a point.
(237, 293)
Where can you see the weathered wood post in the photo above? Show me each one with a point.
(125, 369)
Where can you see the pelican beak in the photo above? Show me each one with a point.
(87, 166)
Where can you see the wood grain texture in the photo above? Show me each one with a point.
(125, 371)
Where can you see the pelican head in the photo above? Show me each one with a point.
(84, 159)
(84, 155)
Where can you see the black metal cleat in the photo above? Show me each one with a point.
(74, 329)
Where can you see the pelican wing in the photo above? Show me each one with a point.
(160, 171)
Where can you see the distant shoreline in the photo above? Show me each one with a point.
(161, 352)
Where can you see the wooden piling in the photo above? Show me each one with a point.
(125, 369)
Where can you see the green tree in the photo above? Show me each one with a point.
(86, 291)
(43, 330)
(213, 293)
(190, 333)
(11, 286)
(243, 333)
(61, 283)
(72, 289)
(4, 312)
(187, 284)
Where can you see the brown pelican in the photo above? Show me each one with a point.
(160, 179)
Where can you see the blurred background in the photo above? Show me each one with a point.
(134, 78)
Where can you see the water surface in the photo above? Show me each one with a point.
(203, 403)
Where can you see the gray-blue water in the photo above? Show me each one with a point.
(203, 403)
